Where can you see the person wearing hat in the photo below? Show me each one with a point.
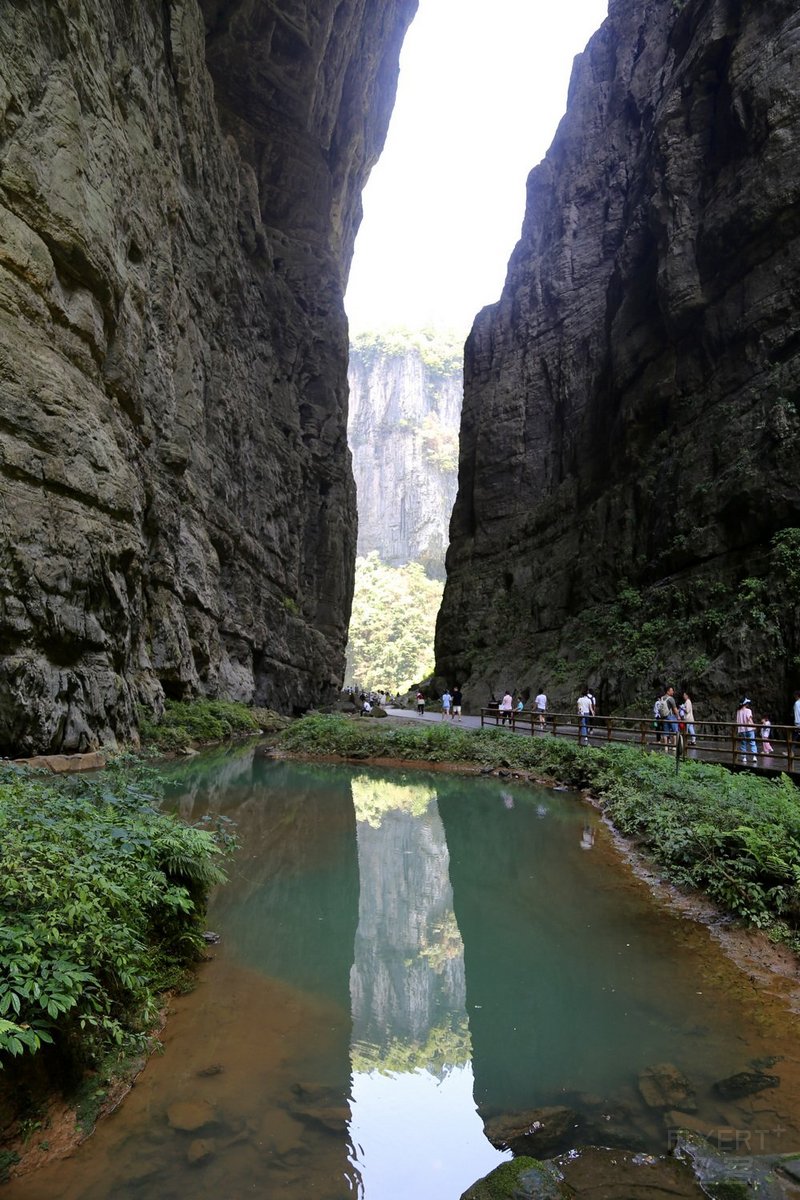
(746, 728)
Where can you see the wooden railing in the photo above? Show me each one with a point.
(714, 741)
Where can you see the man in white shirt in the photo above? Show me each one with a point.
(585, 710)
(540, 704)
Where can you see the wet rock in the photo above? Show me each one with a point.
(791, 1167)
(665, 1086)
(617, 1175)
(521, 1179)
(211, 938)
(188, 1116)
(537, 1132)
(678, 1123)
(331, 1118)
(214, 1069)
(730, 1176)
(201, 1150)
(745, 1083)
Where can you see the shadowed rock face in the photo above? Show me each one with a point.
(630, 428)
(179, 193)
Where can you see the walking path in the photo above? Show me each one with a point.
(714, 749)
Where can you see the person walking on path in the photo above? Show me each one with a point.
(688, 716)
(746, 729)
(796, 713)
(540, 704)
(447, 701)
(506, 708)
(457, 701)
(669, 712)
(585, 712)
(766, 734)
(420, 704)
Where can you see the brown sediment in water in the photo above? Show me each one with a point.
(209, 1093)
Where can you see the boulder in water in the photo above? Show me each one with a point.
(665, 1086)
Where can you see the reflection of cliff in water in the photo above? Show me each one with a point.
(407, 984)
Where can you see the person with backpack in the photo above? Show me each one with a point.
(668, 712)
(657, 721)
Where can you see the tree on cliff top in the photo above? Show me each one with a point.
(441, 350)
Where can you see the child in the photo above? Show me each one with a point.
(766, 731)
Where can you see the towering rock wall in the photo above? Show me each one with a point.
(405, 406)
(179, 193)
(629, 493)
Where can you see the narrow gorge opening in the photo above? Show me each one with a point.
(477, 106)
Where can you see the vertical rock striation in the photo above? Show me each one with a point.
(179, 192)
(405, 405)
(629, 494)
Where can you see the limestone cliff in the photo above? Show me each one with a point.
(629, 494)
(405, 405)
(179, 192)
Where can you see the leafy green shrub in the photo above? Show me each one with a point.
(187, 721)
(101, 896)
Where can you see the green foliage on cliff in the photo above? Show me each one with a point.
(101, 904)
(186, 721)
(439, 444)
(648, 635)
(735, 836)
(392, 625)
(442, 351)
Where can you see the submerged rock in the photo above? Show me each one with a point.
(190, 1115)
(745, 1083)
(665, 1086)
(201, 1150)
(537, 1132)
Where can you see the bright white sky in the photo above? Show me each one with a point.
(482, 89)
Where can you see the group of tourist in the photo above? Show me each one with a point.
(670, 717)
(451, 703)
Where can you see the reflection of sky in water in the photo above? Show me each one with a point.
(416, 1135)
(415, 1127)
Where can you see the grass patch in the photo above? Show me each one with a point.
(736, 837)
(185, 722)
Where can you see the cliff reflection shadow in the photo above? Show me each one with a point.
(412, 1076)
